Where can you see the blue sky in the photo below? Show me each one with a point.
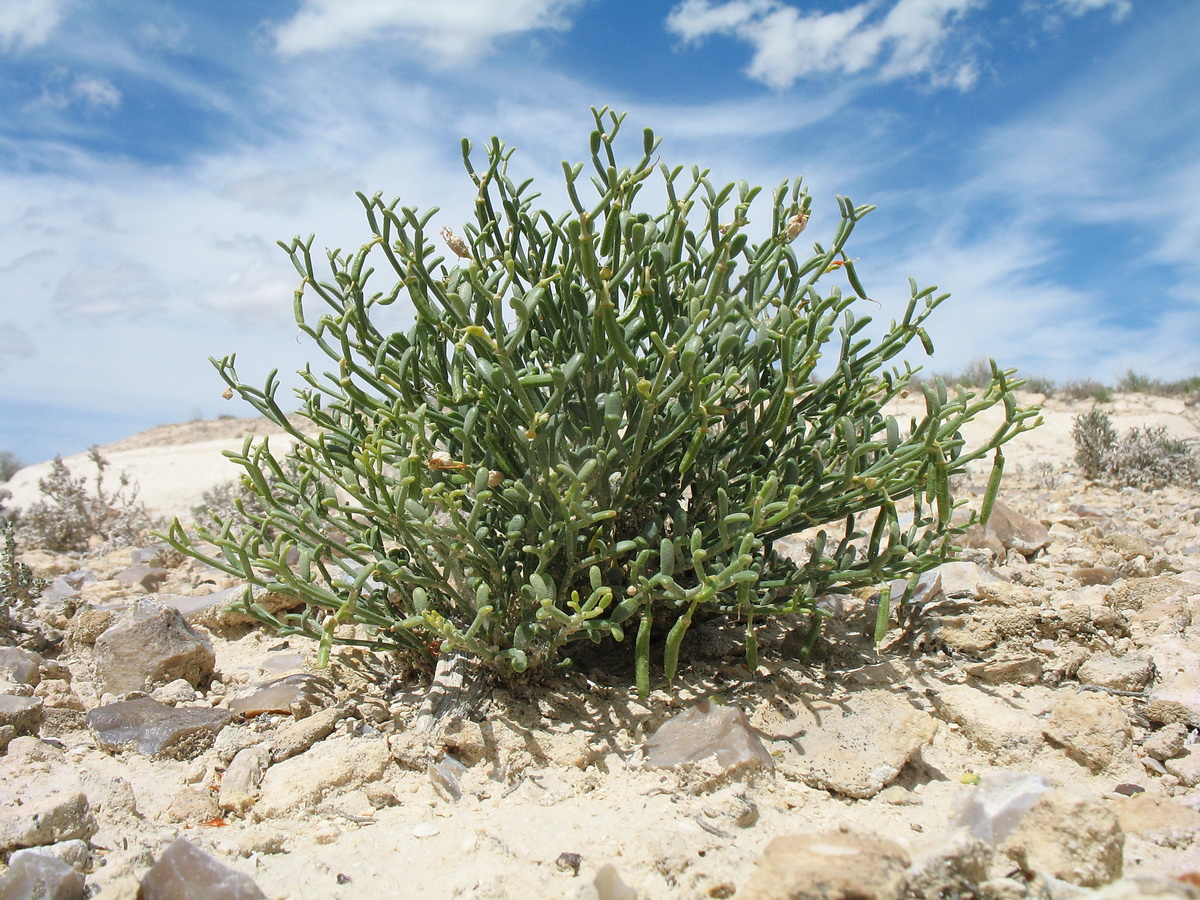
(1039, 159)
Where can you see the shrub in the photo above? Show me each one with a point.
(9, 465)
(1135, 383)
(600, 420)
(1145, 458)
(18, 590)
(1086, 389)
(71, 515)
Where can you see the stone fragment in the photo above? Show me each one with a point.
(1176, 698)
(149, 646)
(1069, 836)
(1010, 735)
(300, 783)
(239, 785)
(608, 885)
(159, 555)
(1016, 531)
(1095, 575)
(998, 804)
(58, 590)
(1122, 673)
(952, 866)
(296, 737)
(45, 816)
(146, 577)
(281, 694)
(210, 610)
(177, 691)
(1185, 767)
(707, 730)
(1093, 729)
(1128, 544)
(155, 729)
(185, 872)
(20, 666)
(832, 866)
(963, 579)
(22, 714)
(1147, 813)
(75, 853)
(57, 693)
(1024, 670)
(88, 624)
(1168, 741)
(189, 806)
(32, 876)
(850, 754)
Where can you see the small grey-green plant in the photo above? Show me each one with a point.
(1086, 389)
(1146, 458)
(72, 513)
(18, 591)
(602, 420)
(9, 465)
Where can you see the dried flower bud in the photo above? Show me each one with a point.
(494, 478)
(227, 393)
(455, 243)
(796, 224)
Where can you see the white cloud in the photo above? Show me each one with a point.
(104, 289)
(96, 92)
(28, 23)
(14, 342)
(1120, 8)
(453, 32)
(910, 39)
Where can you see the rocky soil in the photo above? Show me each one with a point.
(1028, 728)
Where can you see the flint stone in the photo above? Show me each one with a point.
(149, 646)
(963, 579)
(32, 876)
(239, 785)
(1013, 531)
(1092, 728)
(20, 666)
(833, 866)
(707, 730)
(1121, 673)
(855, 757)
(22, 714)
(58, 590)
(1009, 735)
(300, 783)
(146, 577)
(48, 817)
(185, 872)
(998, 803)
(76, 854)
(1095, 575)
(155, 729)
(1069, 836)
(280, 695)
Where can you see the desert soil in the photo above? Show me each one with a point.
(1024, 663)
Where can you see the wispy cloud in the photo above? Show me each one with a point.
(14, 342)
(453, 32)
(29, 23)
(910, 39)
(884, 41)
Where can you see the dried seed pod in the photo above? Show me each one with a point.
(455, 243)
(796, 224)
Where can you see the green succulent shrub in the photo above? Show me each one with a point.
(602, 422)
